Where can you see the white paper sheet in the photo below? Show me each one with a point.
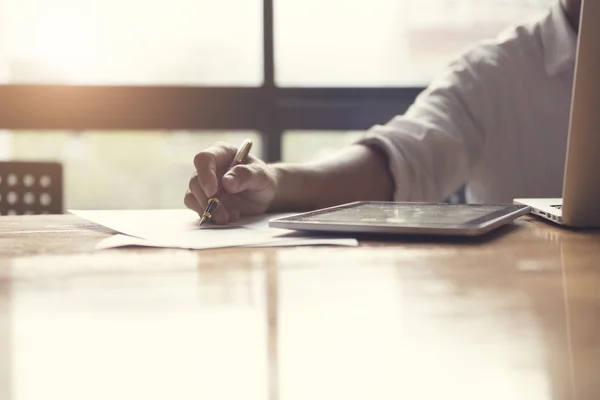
(179, 229)
(124, 241)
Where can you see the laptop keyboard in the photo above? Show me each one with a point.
(557, 206)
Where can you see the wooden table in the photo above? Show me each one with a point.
(515, 316)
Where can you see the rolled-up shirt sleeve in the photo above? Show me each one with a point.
(434, 146)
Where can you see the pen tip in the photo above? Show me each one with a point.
(202, 220)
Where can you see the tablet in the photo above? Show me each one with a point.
(405, 218)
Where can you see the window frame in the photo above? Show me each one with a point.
(268, 109)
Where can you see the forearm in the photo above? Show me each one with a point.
(353, 174)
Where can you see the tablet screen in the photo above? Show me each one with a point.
(405, 218)
(404, 214)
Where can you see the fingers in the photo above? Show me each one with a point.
(199, 195)
(220, 216)
(244, 177)
(233, 213)
(196, 200)
(210, 164)
(190, 202)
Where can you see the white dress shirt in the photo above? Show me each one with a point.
(496, 120)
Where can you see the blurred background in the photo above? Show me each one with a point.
(325, 69)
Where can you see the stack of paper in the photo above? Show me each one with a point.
(179, 229)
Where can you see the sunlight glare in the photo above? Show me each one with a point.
(66, 44)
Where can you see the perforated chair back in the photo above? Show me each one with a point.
(31, 188)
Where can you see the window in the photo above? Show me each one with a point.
(171, 77)
(299, 146)
(186, 42)
(120, 169)
(383, 42)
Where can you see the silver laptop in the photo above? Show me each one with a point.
(580, 205)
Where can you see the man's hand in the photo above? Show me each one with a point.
(355, 173)
(247, 189)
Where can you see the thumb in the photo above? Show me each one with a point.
(244, 177)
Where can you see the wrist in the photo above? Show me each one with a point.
(292, 189)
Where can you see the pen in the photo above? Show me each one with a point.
(214, 202)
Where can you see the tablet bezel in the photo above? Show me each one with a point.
(475, 227)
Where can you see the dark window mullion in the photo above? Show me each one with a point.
(268, 45)
(271, 131)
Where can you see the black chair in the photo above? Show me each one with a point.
(31, 188)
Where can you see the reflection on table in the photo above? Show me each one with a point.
(512, 317)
